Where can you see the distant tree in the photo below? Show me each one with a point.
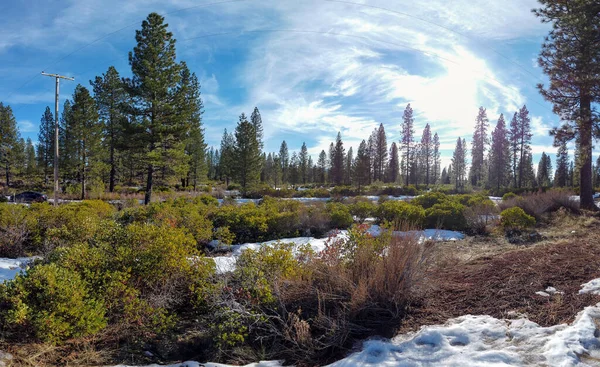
(31, 167)
(445, 178)
(338, 161)
(247, 154)
(256, 121)
(276, 172)
(10, 138)
(227, 157)
(393, 164)
(348, 168)
(597, 172)
(562, 163)
(110, 96)
(310, 176)
(380, 155)
(570, 57)
(427, 154)
(524, 142)
(45, 148)
(361, 166)
(436, 158)
(544, 171)
(87, 134)
(293, 168)
(321, 167)
(513, 137)
(529, 179)
(303, 163)
(284, 158)
(459, 164)
(499, 156)
(479, 147)
(406, 142)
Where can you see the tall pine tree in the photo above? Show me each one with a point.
(406, 142)
(478, 149)
(499, 157)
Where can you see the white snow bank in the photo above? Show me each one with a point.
(475, 341)
(471, 341)
(427, 234)
(210, 364)
(9, 268)
(593, 287)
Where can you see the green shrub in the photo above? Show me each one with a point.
(223, 235)
(429, 199)
(340, 215)
(400, 213)
(52, 301)
(363, 210)
(16, 225)
(516, 218)
(447, 215)
(508, 196)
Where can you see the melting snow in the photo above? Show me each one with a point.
(593, 287)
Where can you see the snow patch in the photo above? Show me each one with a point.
(593, 287)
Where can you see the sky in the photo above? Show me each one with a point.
(312, 67)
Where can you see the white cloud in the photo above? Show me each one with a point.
(26, 126)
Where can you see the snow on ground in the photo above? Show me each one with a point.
(10, 267)
(210, 364)
(476, 341)
(593, 287)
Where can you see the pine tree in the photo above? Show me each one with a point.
(500, 156)
(310, 175)
(393, 164)
(227, 157)
(513, 136)
(524, 142)
(427, 154)
(154, 87)
(478, 150)
(436, 158)
(256, 121)
(338, 161)
(68, 145)
(285, 161)
(45, 146)
(544, 171)
(348, 168)
(562, 163)
(444, 177)
(276, 172)
(371, 152)
(87, 134)
(111, 97)
(30, 162)
(9, 142)
(528, 171)
(569, 57)
(322, 167)
(248, 156)
(303, 163)
(459, 164)
(406, 141)
(380, 154)
(362, 166)
(293, 168)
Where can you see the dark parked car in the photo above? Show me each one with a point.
(29, 197)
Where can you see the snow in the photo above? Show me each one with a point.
(210, 364)
(475, 341)
(593, 287)
(427, 234)
(9, 268)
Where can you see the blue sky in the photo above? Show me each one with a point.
(313, 67)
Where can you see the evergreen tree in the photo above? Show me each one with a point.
(562, 164)
(256, 121)
(513, 136)
(153, 87)
(285, 161)
(569, 57)
(427, 154)
(393, 164)
(30, 163)
(9, 142)
(380, 154)
(321, 167)
(338, 161)
(310, 176)
(524, 142)
(459, 164)
(348, 168)
(444, 177)
(248, 156)
(544, 171)
(303, 163)
(436, 158)
(87, 135)
(227, 157)
(407, 132)
(499, 156)
(478, 150)
(294, 174)
(528, 171)
(276, 172)
(111, 97)
(45, 148)
(362, 166)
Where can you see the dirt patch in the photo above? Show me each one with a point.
(504, 285)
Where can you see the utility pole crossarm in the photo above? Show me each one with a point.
(57, 77)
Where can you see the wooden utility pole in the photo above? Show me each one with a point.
(56, 188)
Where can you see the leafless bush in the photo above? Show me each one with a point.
(14, 231)
(537, 204)
(481, 217)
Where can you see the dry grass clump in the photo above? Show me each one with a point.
(540, 203)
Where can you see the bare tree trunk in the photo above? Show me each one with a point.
(148, 194)
(586, 199)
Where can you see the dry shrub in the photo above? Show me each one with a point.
(537, 204)
(355, 288)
